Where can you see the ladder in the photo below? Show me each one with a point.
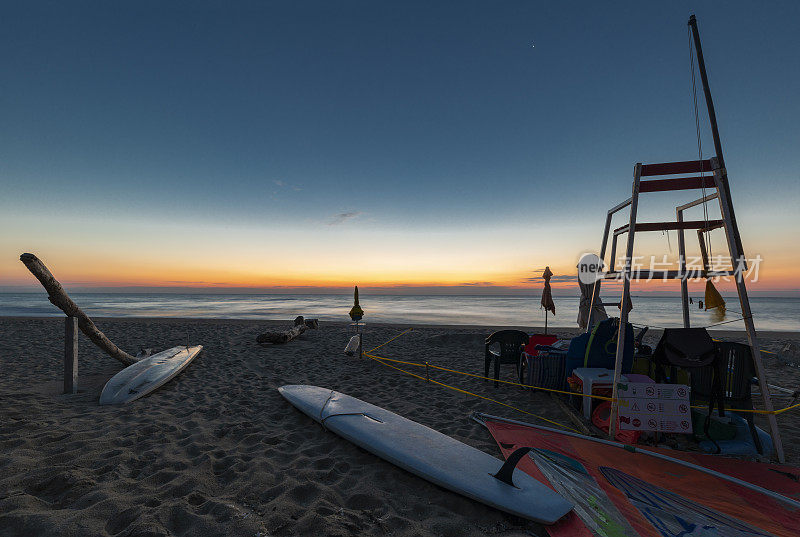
(717, 181)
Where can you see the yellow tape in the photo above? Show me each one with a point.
(380, 360)
(395, 337)
(427, 365)
(754, 411)
(603, 398)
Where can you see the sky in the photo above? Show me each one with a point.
(456, 146)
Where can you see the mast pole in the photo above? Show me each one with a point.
(701, 65)
(712, 119)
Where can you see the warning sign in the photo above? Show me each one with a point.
(654, 407)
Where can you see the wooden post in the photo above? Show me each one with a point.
(626, 293)
(71, 355)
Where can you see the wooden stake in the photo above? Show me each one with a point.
(71, 355)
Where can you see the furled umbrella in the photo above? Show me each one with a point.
(356, 313)
(547, 296)
(588, 315)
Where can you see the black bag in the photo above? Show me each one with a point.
(691, 348)
(685, 347)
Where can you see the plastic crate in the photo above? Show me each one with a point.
(548, 370)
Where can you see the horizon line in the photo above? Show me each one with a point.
(407, 290)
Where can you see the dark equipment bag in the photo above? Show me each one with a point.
(691, 348)
(685, 347)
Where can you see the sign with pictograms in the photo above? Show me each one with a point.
(654, 407)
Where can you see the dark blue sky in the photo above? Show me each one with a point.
(407, 115)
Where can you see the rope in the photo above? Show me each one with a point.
(427, 378)
(440, 368)
(699, 148)
(380, 360)
(386, 343)
(428, 365)
(726, 322)
(636, 325)
(754, 411)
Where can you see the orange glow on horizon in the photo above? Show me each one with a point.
(119, 274)
(217, 261)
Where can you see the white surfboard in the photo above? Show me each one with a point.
(147, 375)
(428, 453)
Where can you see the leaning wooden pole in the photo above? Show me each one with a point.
(59, 298)
(712, 120)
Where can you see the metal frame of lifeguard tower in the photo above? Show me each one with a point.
(718, 180)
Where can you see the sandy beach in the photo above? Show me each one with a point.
(217, 451)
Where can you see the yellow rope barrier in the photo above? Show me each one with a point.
(386, 343)
(603, 398)
(380, 360)
(754, 411)
(426, 364)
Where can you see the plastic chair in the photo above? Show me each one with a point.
(511, 343)
(733, 366)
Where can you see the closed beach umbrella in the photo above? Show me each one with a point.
(598, 312)
(547, 296)
(356, 313)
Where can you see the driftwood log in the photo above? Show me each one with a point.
(285, 336)
(58, 297)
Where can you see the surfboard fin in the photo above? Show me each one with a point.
(506, 472)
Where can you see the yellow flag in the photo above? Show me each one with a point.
(713, 298)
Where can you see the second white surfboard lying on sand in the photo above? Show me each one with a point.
(147, 375)
(428, 453)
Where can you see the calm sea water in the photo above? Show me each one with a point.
(769, 313)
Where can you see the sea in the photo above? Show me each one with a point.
(770, 313)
